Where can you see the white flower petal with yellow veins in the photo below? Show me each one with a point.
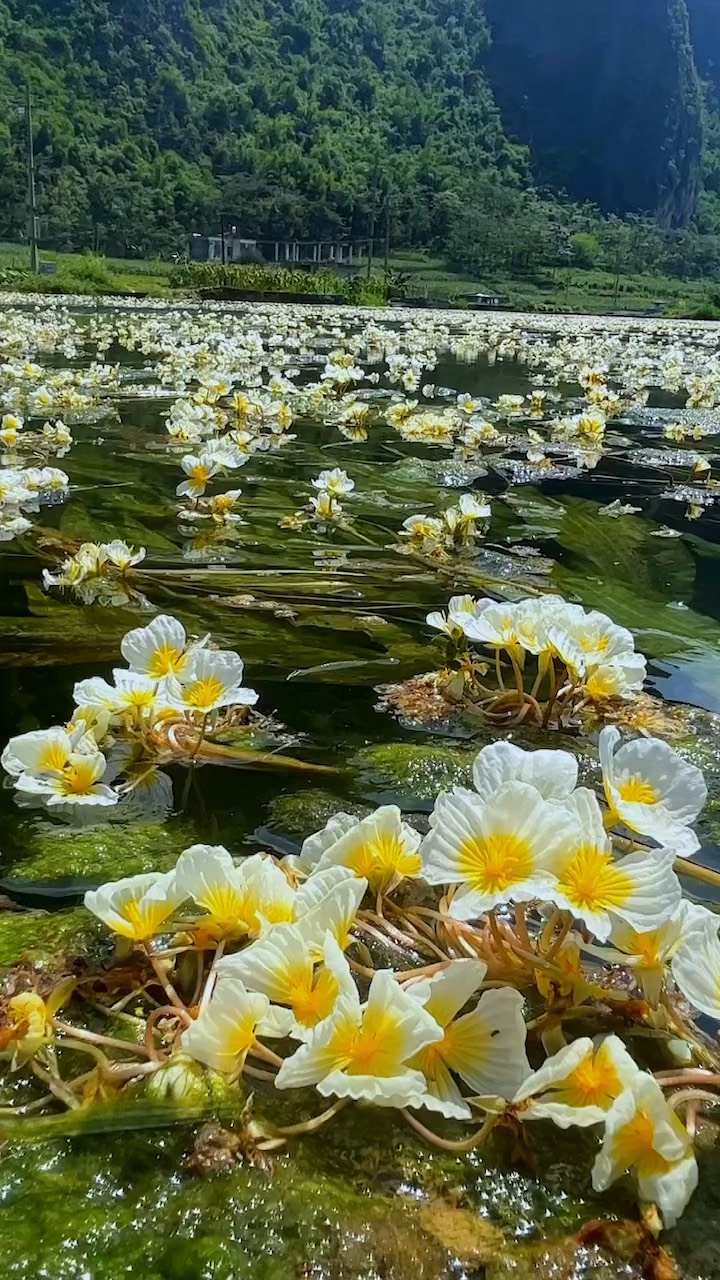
(210, 680)
(644, 1136)
(314, 847)
(696, 967)
(381, 849)
(327, 903)
(364, 1053)
(577, 1085)
(649, 952)
(651, 790)
(497, 850)
(137, 906)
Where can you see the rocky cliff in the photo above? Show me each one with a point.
(606, 94)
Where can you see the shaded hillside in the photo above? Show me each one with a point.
(606, 94)
(153, 115)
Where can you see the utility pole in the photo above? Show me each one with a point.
(387, 228)
(32, 207)
(373, 213)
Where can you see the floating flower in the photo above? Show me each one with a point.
(497, 850)
(336, 483)
(641, 889)
(158, 650)
(381, 849)
(210, 680)
(577, 1085)
(553, 773)
(283, 967)
(136, 907)
(227, 1028)
(364, 1052)
(643, 1136)
(199, 469)
(80, 782)
(238, 899)
(485, 1047)
(651, 790)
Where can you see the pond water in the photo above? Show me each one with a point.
(322, 616)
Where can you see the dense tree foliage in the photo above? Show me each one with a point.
(301, 117)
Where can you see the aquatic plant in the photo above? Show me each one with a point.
(546, 930)
(548, 659)
(159, 709)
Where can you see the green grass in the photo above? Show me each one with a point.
(565, 289)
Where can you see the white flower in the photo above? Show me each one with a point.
(652, 790)
(696, 965)
(137, 906)
(328, 902)
(79, 783)
(649, 952)
(211, 680)
(238, 899)
(283, 967)
(644, 1136)
(578, 1084)
(586, 640)
(131, 693)
(485, 1047)
(620, 678)
(157, 650)
(497, 850)
(44, 752)
(336, 483)
(381, 849)
(199, 468)
(640, 888)
(228, 1026)
(315, 845)
(453, 623)
(552, 773)
(123, 556)
(365, 1052)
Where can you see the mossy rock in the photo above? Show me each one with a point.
(298, 814)
(410, 775)
(45, 937)
(99, 853)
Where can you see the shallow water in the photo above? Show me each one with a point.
(322, 618)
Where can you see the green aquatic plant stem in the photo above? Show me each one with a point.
(448, 1144)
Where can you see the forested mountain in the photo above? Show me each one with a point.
(296, 116)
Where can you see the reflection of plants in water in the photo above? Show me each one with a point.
(541, 915)
(547, 659)
(105, 764)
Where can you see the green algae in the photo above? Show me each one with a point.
(300, 813)
(103, 853)
(412, 775)
(46, 937)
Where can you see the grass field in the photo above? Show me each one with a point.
(565, 289)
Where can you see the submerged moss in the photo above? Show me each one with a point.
(300, 813)
(100, 853)
(413, 775)
(45, 937)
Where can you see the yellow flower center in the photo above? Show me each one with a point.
(637, 790)
(140, 698)
(200, 475)
(53, 757)
(203, 694)
(383, 857)
(594, 1083)
(492, 864)
(143, 920)
(166, 660)
(373, 1049)
(313, 999)
(78, 779)
(592, 882)
(633, 1145)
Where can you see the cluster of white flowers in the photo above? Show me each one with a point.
(455, 529)
(121, 731)
(536, 884)
(324, 509)
(580, 655)
(97, 572)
